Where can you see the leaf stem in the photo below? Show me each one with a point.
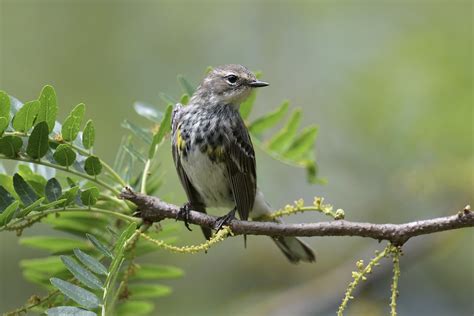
(146, 170)
(65, 169)
(109, 297)
(83, 152)
(36, 302)
(109, 169)
(129, 245)
(32, 217)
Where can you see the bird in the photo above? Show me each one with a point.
(214, 156)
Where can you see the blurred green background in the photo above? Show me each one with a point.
(389, 83)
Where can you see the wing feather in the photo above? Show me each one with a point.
(241, 165)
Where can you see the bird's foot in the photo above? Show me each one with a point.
(224, 220)
(184, 214)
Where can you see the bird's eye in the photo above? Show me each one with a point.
(232, 79)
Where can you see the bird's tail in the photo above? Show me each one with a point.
(293, 248)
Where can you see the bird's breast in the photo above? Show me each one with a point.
(209, 177)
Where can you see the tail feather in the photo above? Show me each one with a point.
(295, 249)
(292, 247)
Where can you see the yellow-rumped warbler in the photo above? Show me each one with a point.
(214, 155)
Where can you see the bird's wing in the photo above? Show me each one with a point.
(240, 165)
(193, 196)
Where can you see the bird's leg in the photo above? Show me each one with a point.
(226, 219)
(184, 214)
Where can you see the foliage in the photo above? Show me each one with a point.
(61, 182)
(75, 193)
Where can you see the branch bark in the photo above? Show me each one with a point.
(153, 209)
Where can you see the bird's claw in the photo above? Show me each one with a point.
(184, 214)
(224, 220)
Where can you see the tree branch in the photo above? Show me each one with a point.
(153, 209)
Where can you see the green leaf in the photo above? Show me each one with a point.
(3, 124)
(119, 251)
(64, 155)
(25, 117)
(112, 232)
(208, 70)
(187, 87)
(24, 190)
(6, 199)
(184, 99)
(141, 133)
(312, 172)
(7, 215)
(88, 135)
(4, 105)
(92, 263)
(134, 153)
(302, 144)
(99, 246)
(247, 106)
(72, 183)
(145, 291)
(70, 195)
(78, 223)
(89, 196)
(148, 111)
(35, 180)
(135, 308)
(93, 166)
(77, 294)
(25, 171)
(54, 244)
(282, 140)
(51, 265)
(10, 146)
(68, 311)
(269, 120)
(30, 207)
(7, 183)
(48, 108)
(39, 270)
(53, 190)
(156, 272)
(37, 278)
(72, 124)
(81, 274)
(167, 99)
(127, 233)
(38, 141)
(165, 127)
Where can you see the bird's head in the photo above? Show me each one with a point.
(229, 84)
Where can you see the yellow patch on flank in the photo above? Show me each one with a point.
(180, 142)
(216, 152)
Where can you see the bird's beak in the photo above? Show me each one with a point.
(258, 84)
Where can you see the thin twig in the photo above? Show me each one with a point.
(395, 252)
(154, 210)
(65, 169)
(360, 275)
(31, 218)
